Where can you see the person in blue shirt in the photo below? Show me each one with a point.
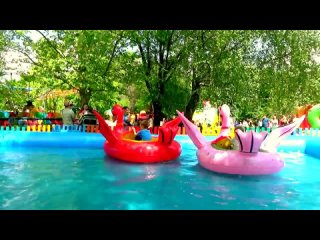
(126, 117)
(265, 122)
(144, 134)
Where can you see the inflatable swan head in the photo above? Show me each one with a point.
(225, 111)
(117, 110)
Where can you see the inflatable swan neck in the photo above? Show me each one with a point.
(119, 112)
(224, 112)
(193, 132)
(105, 130)
(273, 140)
(168, 131)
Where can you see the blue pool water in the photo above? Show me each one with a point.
(53, 178)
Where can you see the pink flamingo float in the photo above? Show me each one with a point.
(256, 153)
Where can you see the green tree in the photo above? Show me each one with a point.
(161, 52)
(256, 72)
(75, 59)
(3, 44)
(211, 55)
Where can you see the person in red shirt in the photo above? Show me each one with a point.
(283, 121)
(83, 110)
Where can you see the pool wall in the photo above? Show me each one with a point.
(51, 139)
(304, 144)
(313, 146)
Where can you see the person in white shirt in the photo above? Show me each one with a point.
(274, 122)
(245, 124)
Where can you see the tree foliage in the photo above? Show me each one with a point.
(3, 43)
(160, 53)
(255, 72)
(77, 59)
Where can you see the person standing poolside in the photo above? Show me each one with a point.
(126, 116)
(274, 122)
(283, 121)
(109, 121)
(67, 114)
(265, 122)
(29, 109)
(83, 110)
(88, 117)
(28, 106)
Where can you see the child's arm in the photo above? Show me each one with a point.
(134, 130)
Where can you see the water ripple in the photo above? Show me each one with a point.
(87, 179)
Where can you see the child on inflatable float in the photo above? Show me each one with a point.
(144, 134)
(120, 142)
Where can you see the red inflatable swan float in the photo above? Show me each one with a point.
(121, 145)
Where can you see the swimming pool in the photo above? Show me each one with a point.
(74, 178)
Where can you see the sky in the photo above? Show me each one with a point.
(35, 36)
(15, 64)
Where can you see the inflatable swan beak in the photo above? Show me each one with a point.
(193, 132)
(277, 135)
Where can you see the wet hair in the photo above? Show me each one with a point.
(144, 123)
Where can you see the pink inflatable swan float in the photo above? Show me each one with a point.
(256, 154)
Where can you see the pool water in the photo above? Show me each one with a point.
(52, 178)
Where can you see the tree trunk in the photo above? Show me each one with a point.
(85, 95)
(194, 100)
(157, 104)
(158, 115)
(55, 105)
(132, 94)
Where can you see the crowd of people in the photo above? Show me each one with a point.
(32, 115)
(25, 117)
(144, 119)
(266, 122)
(84, 116)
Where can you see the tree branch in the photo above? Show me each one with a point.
(203, 40)
(64, 81)
(99, 90)
(161, 61)
(221, 52)
(27, 55)
(169, 44)
(143, 57)
(146, 61)
(172, 66)
(224, 49)
(113, 54)
(50, 43)
(275, 59)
